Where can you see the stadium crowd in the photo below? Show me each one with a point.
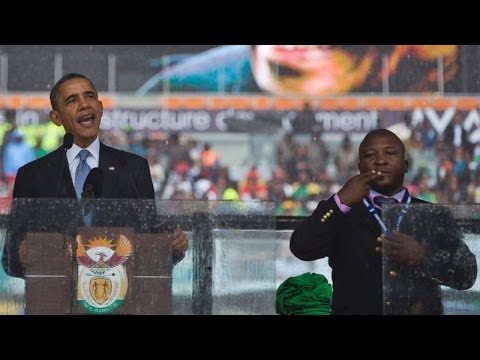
(443, 168)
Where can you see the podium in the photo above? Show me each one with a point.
(229, 267)
(99, 269)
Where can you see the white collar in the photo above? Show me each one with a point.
(93, 148)
(398, 196)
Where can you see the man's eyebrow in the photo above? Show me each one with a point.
(367, 149)
(88, 92)
(71, 96)
(371, 148)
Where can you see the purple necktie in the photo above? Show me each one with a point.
(380, 200)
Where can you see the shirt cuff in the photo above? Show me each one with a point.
(343, 208)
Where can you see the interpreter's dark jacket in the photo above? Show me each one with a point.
(349, 240)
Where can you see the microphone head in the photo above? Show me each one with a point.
(67, 140)
(93, 186)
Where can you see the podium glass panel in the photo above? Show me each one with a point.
(123, 264)
(230, 266)
(11, 288)
(439, 276)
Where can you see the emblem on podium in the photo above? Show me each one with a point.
(102, 277)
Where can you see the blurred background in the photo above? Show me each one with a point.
(255, 122)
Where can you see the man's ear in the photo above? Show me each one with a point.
(406, 166)
(55, 118)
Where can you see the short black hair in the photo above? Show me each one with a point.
(381, 132)
(56, 87)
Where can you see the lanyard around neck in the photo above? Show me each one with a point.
(373, 212)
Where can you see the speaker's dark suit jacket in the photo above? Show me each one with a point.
(125, 176)
(349, 240)
(39, 179)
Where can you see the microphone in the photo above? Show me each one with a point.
(92, 189)
(93, 186)
(67, 141)
(67, 144)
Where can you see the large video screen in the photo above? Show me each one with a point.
(305, 70)
(317, 70)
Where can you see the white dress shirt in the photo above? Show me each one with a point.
(92, 160)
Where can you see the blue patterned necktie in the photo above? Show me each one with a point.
(82, 171)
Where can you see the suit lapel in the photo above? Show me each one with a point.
(65, 185)
(368, 219)
(110, 164)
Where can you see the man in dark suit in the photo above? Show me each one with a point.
(76, 107)
(455, 135)
(349, 229)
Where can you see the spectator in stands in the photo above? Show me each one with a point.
(10, 117)
(455, 135)
(286, 150)
(177, 151)
(209, 160)
(305, 122)
(17, 153)
(157, 172)
(346, 160)
(317, 151)
(253, 187)
(39, 150)
(404, 128)
(278, 189)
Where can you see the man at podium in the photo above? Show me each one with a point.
(62, 174)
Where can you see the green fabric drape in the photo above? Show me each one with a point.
(306, 294)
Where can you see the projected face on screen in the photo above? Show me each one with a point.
(312, 70)
(338, 69)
